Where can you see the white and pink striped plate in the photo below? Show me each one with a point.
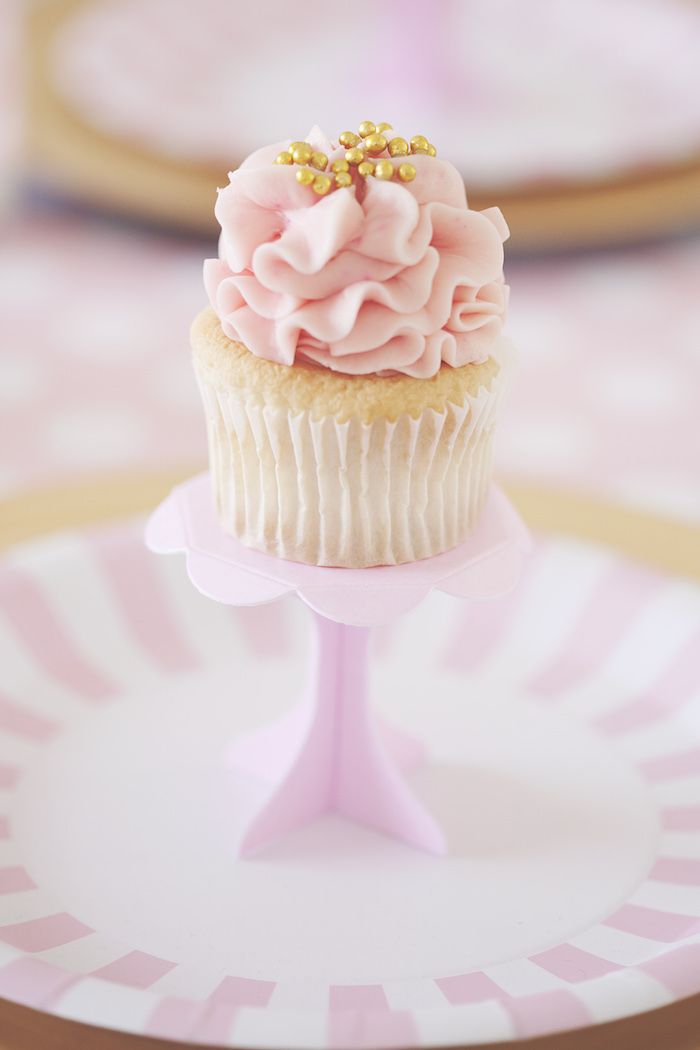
(564, 727)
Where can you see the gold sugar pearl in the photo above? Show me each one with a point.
(383, 169)
(354, 156)
(419, 144)
(399, 148)
(375, 144)
(371, 142)
(321, 185)
(302, 153)
(348, 139)
(319, 160)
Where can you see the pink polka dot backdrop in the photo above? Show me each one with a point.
(605, 400)
(94, 367)
(95, 374)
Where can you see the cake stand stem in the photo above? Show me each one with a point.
(329, 754)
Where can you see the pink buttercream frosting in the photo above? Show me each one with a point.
(378, 277)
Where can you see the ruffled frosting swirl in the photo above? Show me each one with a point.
(379, 277)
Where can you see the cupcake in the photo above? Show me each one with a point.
(351, 361)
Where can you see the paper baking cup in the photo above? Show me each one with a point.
(349, 494)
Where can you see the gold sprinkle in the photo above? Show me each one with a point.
(321, 185)
(399, 148)
(383, 169)
(354, 156)
(302, 153)
(375, 144)
(348, 139)
(319, 160)
(419, 144)
(371, 141)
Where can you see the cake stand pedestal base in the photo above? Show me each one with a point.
(328, 754)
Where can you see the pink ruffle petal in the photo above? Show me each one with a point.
(380, 277)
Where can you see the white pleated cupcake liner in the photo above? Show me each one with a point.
(349, 494)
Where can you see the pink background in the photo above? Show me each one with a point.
(94, 370)
(95, 373)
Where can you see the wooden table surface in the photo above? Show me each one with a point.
(669, 545)
(674, 1027)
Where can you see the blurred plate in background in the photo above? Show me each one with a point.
(477, 77)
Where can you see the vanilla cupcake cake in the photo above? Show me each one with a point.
(352, 359)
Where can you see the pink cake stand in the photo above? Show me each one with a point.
(328, 754)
